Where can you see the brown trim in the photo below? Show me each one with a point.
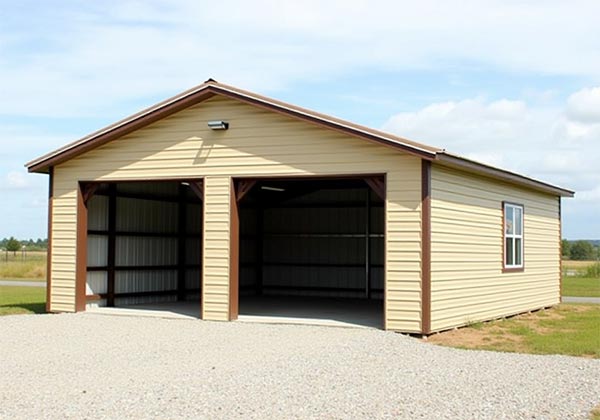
(425, 247)
(385, 256)
(340, 126)
(377, 184)
(206, 91)
(560, 267)
(198, 188)
(81, 251)
(212, 88)
(49, 251)
(234, 253)
(243, 187)
(513, 269)
(112, 244)
(88, 191)
(119, 129)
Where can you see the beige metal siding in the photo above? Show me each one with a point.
(216, 248)
(467, 282)
(258, 143)
(64, 233)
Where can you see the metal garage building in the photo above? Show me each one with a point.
(238, 204)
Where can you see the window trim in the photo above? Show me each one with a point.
(513, 268)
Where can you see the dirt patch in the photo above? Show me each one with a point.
(477, 338)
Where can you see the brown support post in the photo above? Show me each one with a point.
(181, 241)
(243, 187)
(198, 188)
(81, 251)
(425, 247)
(234, 254)
(112, 245)
(377, 184)
(49, 252)
(560, 271)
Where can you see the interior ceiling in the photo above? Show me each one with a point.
(286, 189)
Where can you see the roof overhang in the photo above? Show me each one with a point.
(211, 88)
(204, 92)
(462, 163)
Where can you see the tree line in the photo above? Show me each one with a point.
(12, 244)
(580, 250)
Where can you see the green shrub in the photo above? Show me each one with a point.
(592, 270)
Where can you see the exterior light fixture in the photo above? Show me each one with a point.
(272, 189)
(218, 125)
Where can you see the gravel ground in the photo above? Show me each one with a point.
(78, 366)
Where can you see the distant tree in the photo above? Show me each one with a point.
(582, 250)
(13, 245)
(565, 248)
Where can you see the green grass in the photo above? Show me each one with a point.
(570, 329)
(22, 300)
(29, 267)
(581, 286)
(577, 334)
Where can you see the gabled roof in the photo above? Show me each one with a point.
(211, 88)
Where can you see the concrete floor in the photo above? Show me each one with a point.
(357, 313)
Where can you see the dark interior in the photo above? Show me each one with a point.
(311, 238)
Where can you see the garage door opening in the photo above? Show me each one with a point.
(311, 251)
(144, 245)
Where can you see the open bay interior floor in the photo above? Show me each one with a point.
(271, 309)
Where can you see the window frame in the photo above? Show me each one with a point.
(506, 268)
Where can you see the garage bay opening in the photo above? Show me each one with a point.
(311, 250)
(144, 246)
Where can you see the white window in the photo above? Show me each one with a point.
(513, 235)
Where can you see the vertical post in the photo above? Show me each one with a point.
(368, 243)
(181, 241)
(234, 253)
(260, 237)
(560, 268)
(81, 253)
(112, 245)
(425, 247)
(49, 249)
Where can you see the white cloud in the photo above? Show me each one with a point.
(90, 59)
(545, 143)
(17, 180)
(584, 105)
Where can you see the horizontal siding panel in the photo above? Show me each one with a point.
(467, 280)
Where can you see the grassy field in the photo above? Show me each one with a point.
(30, 267)
(581, 286)
(576, 265)
(570, 329)
(22, 300)
(585, 282)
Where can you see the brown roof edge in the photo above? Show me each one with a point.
(459, 162)
(121, 128)
(204, 91)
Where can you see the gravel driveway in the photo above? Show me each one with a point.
(96, 366)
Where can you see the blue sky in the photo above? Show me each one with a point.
(511, 83)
